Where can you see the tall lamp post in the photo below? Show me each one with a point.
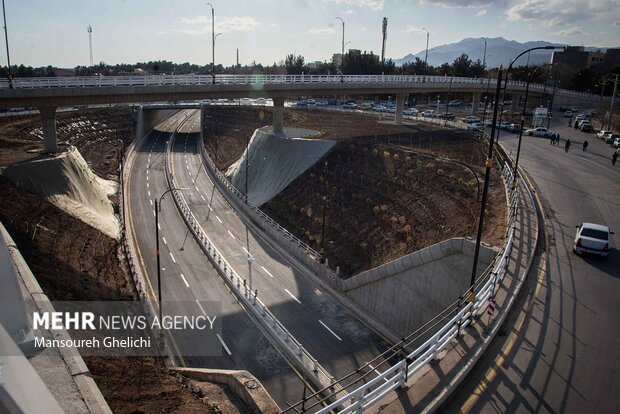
(8, 57)
(212, 43)
(342, 51)
(426, 54)
(322, 258)
(157, 209)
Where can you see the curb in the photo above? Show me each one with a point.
(88, 389)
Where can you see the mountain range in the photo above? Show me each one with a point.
(499, 51)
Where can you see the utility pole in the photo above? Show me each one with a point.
(342, 52)
(611, 104)
(8, 56)
(89, 29)
(384, 30)
(426, 54)
(484, 56)
(237, 57)
(212, 43)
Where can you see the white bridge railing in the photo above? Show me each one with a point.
(191, 79)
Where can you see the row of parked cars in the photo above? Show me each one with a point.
(475, 124)
(609, 138)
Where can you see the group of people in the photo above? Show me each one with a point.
(555, 139)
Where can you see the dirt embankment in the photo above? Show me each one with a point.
(389, 190)
(73, 261)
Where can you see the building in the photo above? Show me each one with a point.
(576, 58)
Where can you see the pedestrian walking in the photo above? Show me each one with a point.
(567, 145)
(576, 124)
(557, 139)
(614, 157)
(585, 145)
(552, 140)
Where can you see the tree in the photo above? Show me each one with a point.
(294, 64)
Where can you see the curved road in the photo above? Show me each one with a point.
(560, 351)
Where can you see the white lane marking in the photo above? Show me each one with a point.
(210, 208)
(327, 327)
(218, 219)
(223, 344)
(172, 257)
(151, 201)
(231, 235)
(296, 300)
(184, 281)
(164, 239)
(246, 251)
(203, 197)
(266, 271)
(201, 308)
(147, 177)
(149, 193)
(158, 227)
(147, 185)
(153, 211)
(196, 187)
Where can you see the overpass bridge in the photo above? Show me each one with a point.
(47, 94)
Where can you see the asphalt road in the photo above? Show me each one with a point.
(190, 284)
(563, 359)
(339, 341)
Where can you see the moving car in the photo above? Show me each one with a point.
(322, 103)
(475, 126)
(470, 119)
(539, 132)
(455, 102)
(410, 111)
(349, 105)
(568, 114)
(446, 115)
(429, 114)
(365, 107)
(592, 238)
(379, 108)
(512, 128)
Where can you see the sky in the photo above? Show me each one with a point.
(54, 33)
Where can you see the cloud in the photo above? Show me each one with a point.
(459, 3)
(616, 23)
(223, 25)
(559, 12)
(413, 29)
(321, 30)
(573, 31)
(374, 5)
(481, 13)
(350, 11)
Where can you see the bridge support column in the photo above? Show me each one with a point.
(400, 106)
(48, 118)
(278, 115)
(475, 104)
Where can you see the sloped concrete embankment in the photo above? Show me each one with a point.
(275, 160)
(411, 290)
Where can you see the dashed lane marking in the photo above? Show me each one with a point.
(184, 280)
(164, 239)
(218, 219)
(172, 257)
(203, 197)
(332, 332)
(201, 308)
(267, 271)
(298, 301)
(231, 235)
(223, 344)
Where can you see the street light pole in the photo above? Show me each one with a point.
(485, 190)
(342, 50)
(322, 258)
(8, 56)
(212, 43)
(426, 54)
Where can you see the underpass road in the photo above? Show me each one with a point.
(339, 341)
(564, 359)
(189, 281)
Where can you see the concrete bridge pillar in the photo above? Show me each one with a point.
(400, 107)
(278, 115)
(48, 118)
(475, 103)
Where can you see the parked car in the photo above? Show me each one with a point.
(349, 105)
(504, 124)
(616, 143)
(446, 115)
(512, 128)
(611, 138)
(322, 103)
(539, 132)
(601, 134)
(410, 111)
(365, 107)
(379, 108)
(581, 122)
(470, 119)
(568, 114)
(429, 114)
(455, 102)
(586, 127)
(391, 109)
(301, 103)
(475, 126)
(592, 238)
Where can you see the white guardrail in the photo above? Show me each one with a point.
(191, 79)
(295, 352)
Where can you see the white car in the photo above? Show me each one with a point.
(410, 111)
(616, 143)
(475, 126)
(470, 119)
(430, 114)
(379, 108)
(568, 114)
(592, 238)
(601, 134)
(539, 132)
(322, 103)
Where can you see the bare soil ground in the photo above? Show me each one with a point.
(390, 190)
(73, 261)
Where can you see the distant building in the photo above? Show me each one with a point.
(315, 64)
(576, 58)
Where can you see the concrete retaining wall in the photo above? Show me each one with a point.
(242, 383)
(148, 118)
(409, 291)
